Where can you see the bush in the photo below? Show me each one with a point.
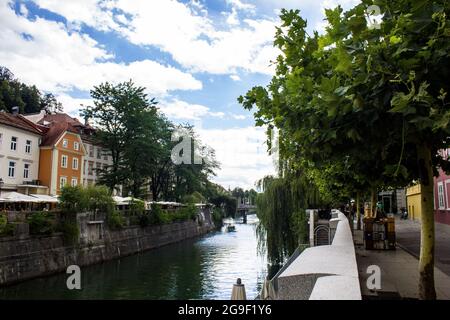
(98, 198)
(137, 207)
(6, 229)
(93, 198)
(73, 199)
(186, 213)
(115, 220)
(41, 223)
(159, 216)
(70, 232)
(217, 217)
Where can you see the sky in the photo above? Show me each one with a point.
(195, 57)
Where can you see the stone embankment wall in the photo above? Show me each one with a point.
(23, 258)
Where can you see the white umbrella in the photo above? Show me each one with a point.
(45, 198)
(17, 197)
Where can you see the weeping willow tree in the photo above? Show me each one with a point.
(281, 211)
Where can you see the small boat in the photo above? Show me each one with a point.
(231, 228)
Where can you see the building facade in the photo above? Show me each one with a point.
(414, 200)
(95, 159)
(61, 159)
(19, 154)
(442, 193)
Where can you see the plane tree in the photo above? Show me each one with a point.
(374, 95)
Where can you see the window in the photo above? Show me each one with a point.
(65, 143)
(105, 155)
(441, 203)
(12, 169)
(84, 167)
(26, 170)
(74, 182)
(99, 153)
(76, 146)
(62, 182)
(91, 151)
(91, 168)
(14, 143)
(64, 161)
(28, 146)
(1, 139)
(75, 163)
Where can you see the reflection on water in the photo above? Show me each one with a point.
(204, 268)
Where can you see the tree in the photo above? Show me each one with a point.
(128, 127)
(376, 96)
(29, 99)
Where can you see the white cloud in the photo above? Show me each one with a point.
(241, 153)
(47, 54)
(235, 77)
(240, 5)
(239, 116)
(177, 28)
(72, 105)
(232, 18)
(182, 110)
(90, 12)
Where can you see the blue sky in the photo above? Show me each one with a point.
(195, 56)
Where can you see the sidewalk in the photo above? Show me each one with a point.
(399, 273)
(408, 237)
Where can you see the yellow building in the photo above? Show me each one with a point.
(413, 202)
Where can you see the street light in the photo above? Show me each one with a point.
(1, 184)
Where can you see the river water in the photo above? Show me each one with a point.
(202, 268)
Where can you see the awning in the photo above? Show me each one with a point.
(44, 198)
(120, 201)
(11, 197)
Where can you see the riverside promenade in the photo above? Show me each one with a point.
(399, 268)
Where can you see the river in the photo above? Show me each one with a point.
(202, 268)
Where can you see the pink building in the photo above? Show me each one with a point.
(442, 195)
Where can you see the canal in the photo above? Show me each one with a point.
(202, 268)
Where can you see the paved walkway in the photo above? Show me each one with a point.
(399, 273)
(408, 237)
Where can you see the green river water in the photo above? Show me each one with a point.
(202, 268)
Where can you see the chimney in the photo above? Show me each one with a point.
(15, 111)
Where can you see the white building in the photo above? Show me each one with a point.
(19, 154)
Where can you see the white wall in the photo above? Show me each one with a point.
(85, 173)
(18, 156)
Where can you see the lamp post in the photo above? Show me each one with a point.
(1, 184)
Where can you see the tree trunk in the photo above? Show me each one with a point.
(426, 264)
(358, 213)
(373, 205)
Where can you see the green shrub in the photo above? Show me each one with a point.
(6, 229)
(137, 207)
(93, 198)
(73, 199)
(217, 217)
(99, 199)
(70, 231)
(115, 220)
(160, 216)
(186, 213)
(41, 223)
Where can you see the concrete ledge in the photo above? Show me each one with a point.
(324, 272)
(326, 288)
